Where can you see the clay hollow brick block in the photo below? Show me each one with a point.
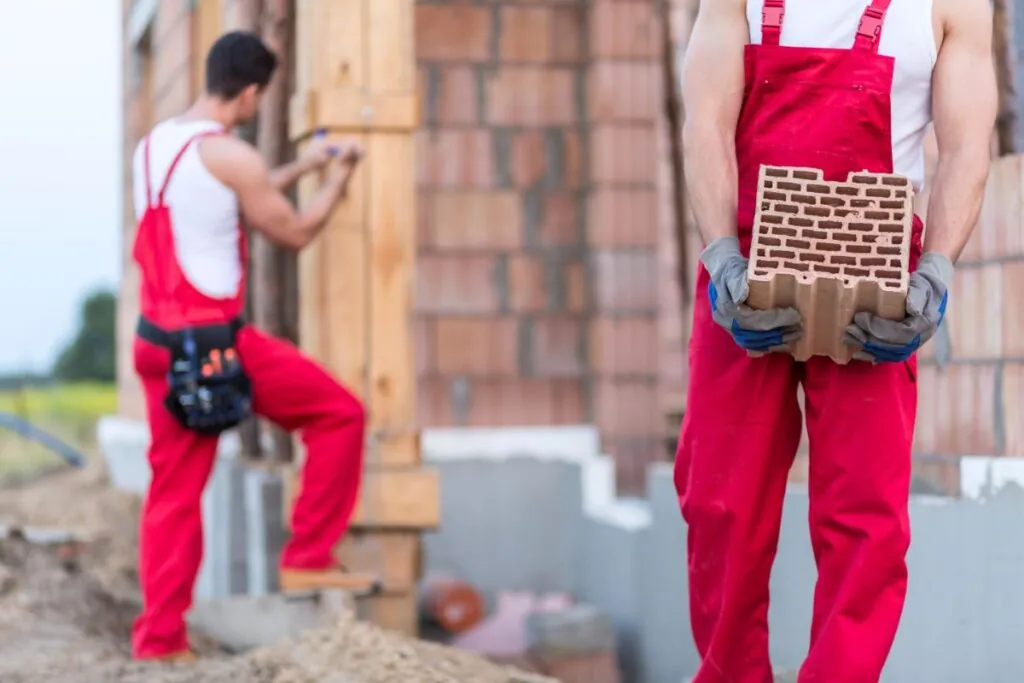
(830, 249)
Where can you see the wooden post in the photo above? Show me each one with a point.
(1006, 72)
(268, 260)
(356, 77)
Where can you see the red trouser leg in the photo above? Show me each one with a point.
(739, 438)
(171, 531)
(860, 420)
(296, 393)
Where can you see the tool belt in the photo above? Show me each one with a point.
(208, 390)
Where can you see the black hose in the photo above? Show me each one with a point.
(26, 429)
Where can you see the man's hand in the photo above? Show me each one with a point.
(894, 341)
(318, 153)
(770, 330)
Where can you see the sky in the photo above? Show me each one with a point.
(60, 170)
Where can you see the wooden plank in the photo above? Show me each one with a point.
(392, 499)
(392, 264)
(392, 56)
(399, 499)
(393, 449)
(395, 555)
(352, 110)
(399, 613)
(207, 18)
(312, 292)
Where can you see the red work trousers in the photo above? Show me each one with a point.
(739, 438)
(292, 391)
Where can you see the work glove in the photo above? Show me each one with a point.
(892, 341)
(769, 330)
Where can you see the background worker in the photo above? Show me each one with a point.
(192, 182)
(842, 86)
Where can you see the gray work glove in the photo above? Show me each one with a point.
(893, 341)
(769, 330)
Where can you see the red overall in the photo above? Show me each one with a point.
(288, 389)
(827, 109)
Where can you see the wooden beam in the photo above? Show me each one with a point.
(206, 19)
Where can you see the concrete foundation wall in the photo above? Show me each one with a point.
(533, 509)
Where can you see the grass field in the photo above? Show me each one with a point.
(69, 412)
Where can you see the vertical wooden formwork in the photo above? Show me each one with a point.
(356, 77)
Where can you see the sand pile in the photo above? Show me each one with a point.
(68, 621)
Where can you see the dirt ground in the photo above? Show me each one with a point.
(68, 621)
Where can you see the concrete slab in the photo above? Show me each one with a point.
(241, 622)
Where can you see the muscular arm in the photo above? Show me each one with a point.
(239, 166)
(964, 105)
(288, 174)
(712, 97)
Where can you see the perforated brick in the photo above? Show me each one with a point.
(830, 249)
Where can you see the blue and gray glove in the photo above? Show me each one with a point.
(770, 330)
(893, 341)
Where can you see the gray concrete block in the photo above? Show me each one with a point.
(240, 623)
(576, 631)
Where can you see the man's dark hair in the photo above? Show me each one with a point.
(236, 61)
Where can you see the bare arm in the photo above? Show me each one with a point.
(239, 166)
(288, 174)
(712, 97)
(964, 106)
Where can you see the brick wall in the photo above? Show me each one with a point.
(537, 277)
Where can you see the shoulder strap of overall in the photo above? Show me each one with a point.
(172, 167)
(869, 33)
(772, 15)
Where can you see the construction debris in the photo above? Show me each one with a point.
(70, 622)
(830, 249)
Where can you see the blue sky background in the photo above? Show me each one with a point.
(60, 169)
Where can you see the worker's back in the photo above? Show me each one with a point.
(204, 212)
(908, 35)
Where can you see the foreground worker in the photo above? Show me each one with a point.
(842, 86)
(202, 368)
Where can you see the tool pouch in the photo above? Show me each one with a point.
(208, 390)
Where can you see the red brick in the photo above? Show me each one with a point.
(556, 347)
(423, 345)
(958, 411)
(529, 159)
(526, 34)
(434, 402)
(452, 32)
(624, 29)
(424, 218)
(626, 280)
(624, 91)
(627, 408)
(527, 284)
(520, 402)
(574, 275)
(457, 95)
(456, 283)
(567, 45)
(623, 218)
(1013, 409)
(623, 154)
(560, 225)
(976, 312)
(478, 220)
(573, 156)
(531, 96)
(476, 346)
(457, 158)
(624, 346)
(633, 457)
(1013, 312)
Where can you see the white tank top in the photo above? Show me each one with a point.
(908, 35)
(204, 212)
